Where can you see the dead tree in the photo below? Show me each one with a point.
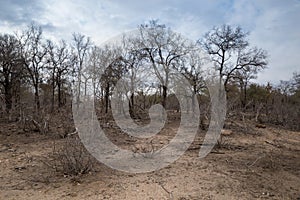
(34, 56)
(10, 67)
(60, 63)
(230, 51)
(163, 49)
(80, 47)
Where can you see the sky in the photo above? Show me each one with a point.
(273, 24)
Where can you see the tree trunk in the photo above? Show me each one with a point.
(164, 96)
(78, 88)
(37, 100)
(106, 97)
(131, 105)
(242, 97)
(16, 93)
(53, 92)
(194, 97)
(37, 97)
(8, 98)
(245, 96)
(59, 94)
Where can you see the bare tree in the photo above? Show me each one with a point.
(113, 72)
(243, 77)
(163, 49)
(95, 69)
(296, 82)
(34, 52)
(192, 70)
(230, 51)
(80, 48)
(135, 70)
(60, 63)
(105, 67)
(10, 66)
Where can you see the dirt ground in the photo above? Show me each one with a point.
(262, 165)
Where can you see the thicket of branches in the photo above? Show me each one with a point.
(37, 74)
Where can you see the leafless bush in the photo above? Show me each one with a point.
(221, 143)
(61, 123)
(72, 158)
(30, 120)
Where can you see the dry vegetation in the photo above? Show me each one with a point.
(42, 157)
(262, 163)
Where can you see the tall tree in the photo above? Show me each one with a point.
(192, 70)
(10, 66)
(80, 47)
(60, 63)
(105, 67)
(133, 65)
(113, 70)
(162, 48)
(34, 52)
(296, 81)
(243, 77)
(230, 51)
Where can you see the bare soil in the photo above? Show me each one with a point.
(262, 165)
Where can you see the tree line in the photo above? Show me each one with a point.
(40, 72)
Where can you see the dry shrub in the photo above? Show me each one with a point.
(72, 158)
(221, 143)
(30, 120)
(61, 123)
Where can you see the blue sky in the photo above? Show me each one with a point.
(273, 24)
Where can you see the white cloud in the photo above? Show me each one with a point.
(278, 32)
(273, 23)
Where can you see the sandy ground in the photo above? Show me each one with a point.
(261, 165)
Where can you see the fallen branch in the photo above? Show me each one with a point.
(217, 152)
(73, 133)
(194, 148)
(170, 193)
(256, 160)
(275, 145)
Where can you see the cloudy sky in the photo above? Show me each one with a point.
(273, 24)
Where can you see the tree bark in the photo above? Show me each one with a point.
(164, 96)
(106, 97)
(37, 97)
(8, 98)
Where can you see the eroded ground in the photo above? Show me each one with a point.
(261, 165)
